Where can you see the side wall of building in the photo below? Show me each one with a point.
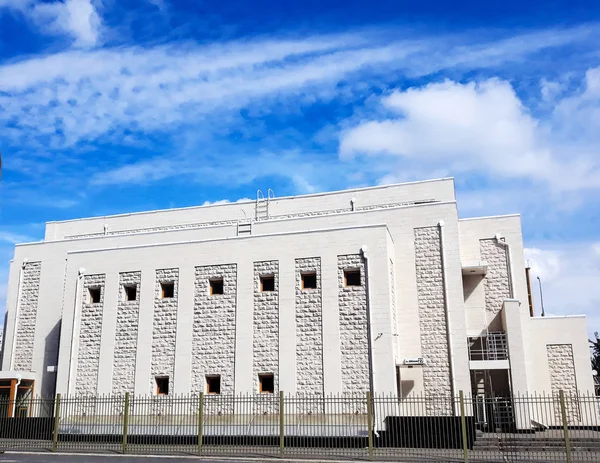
(214, 328)
(307, 205)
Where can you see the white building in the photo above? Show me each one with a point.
(382, 289)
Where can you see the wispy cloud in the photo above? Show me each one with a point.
(77, 19)
(14, 238)
(77, 96)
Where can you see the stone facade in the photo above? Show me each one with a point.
(164, 330)
(562, 377)
(126, 335)
(432, 320)
(213, 343)
(265, 341)
(309, 330)
(496, 282)
(30, 288)
(354, 344)
(90, 331)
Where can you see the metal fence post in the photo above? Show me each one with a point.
(565, 423)
(125, 422)
(370, 424)
(200, 421)
(463, 425)
(56, 423)
(281, 424)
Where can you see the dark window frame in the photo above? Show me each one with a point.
(270, 283)
(309, 280)
(216, 286)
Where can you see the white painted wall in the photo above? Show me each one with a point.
(322, 225)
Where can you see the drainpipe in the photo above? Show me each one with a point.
(73, 326)
(446, 306)
(17, 310)
(364, 252)
(500, 240)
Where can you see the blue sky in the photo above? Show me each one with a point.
(109, 107)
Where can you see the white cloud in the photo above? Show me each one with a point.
(224, 201)
(77, 19)
(14, 238)
(569, 273)
(86, 95)
(483, 127)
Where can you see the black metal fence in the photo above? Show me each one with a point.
(561, 427)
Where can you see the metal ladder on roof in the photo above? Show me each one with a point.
(262, 204)
(244, 225)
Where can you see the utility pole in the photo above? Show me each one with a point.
(541, 297)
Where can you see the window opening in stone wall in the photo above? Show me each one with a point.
(130, 292)
(309, 280)
(266, 383)
(267, 283)
(94, 295)
(162, 385)
(213, 384)
(167, 289)
(352, 277)
(216, 286)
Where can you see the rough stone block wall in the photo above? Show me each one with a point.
(496, 283)
(432, 320)
(265, 342)
(354, 344)
(213, 343)
(562, 377)
(164, 330)
(90, 331)
(126, 335)
(309, 331)
(30, 289)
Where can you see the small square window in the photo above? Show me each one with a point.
(352, 277)
(213, 384)
(130, 292)
(94, 295)
(266, 383)
(216, 286)
(309, 280)
(167, 289)
(267, 283)
(162, 385)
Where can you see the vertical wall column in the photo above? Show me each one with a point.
(563, 377)
(90, 334)
(213, 343)
(265, 343)
(126, 335)
(354, 343)
(185, 330)
(309, 329)
(27, 314)
(496, 283)
(164, 330)
(432, 320)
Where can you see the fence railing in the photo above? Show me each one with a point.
(560, 427)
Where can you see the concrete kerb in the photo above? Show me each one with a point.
(191, 457)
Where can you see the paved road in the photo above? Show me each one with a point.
(66, 458)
